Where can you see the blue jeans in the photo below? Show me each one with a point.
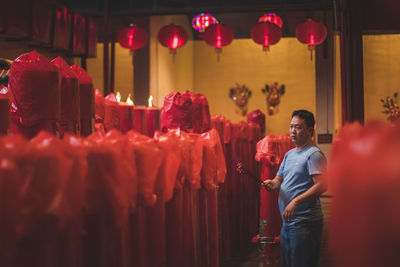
(300, 244)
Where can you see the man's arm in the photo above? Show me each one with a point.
(314, 192)
(273, 184)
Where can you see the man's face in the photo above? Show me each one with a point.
(299, 132)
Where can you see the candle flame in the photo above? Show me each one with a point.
(129, 100)
(150, 101)
(118, 97)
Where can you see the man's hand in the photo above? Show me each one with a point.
(270, 185)
(288, 213)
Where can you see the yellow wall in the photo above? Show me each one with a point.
(381, 72)
(123, 79)
(288, 62)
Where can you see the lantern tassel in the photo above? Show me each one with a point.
(311, 48)
(219, 51)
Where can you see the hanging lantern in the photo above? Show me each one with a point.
(132, 38)
(266, 34)
(273, 18)
(201, 21)
(172, 36)
(311, 33)
(218, 35)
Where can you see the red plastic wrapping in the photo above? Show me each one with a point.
(363, 175)
(177, 112)
(168, 142)
(148, 161)
(268, 150)
(35, 85)
(69, 98)
(100, 106)
(13, 152)
(110, 193)
(201, 113)
(269, 153)
(257, 117)
(196, 160)
(4, 110)
(106, 182)
(111, 117)
(86, 99)
(218, 122)
(214, 167)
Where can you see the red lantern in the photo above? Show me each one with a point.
(172, 36)
(132, 37)
(218, 35)
(273, 18)
(266, 34)
(311, 33)
(201, 21)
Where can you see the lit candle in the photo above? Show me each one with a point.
(125, 110)
(152, 118)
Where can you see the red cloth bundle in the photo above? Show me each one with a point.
(35, 84)
(268, 150)
(148, 161)
(111, 118)
(86, 99)
(168, 142)
(100, 106)
(69, 98)
(257, 117)
(5, 97)
(177, 112)
(214, 167)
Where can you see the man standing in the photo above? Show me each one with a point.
(300, 183)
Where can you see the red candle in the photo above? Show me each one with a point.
(4, 111)
(139, 122)
(111, 117)
(125, 111)
(152, 120)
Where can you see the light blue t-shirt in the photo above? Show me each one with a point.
(297, 169)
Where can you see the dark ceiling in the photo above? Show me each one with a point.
(153, 7)
(241, 15)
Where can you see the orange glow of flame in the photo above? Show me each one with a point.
(129, 100)
(150, 101)
(118, 97)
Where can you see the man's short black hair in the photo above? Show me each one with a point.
(306, 115)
